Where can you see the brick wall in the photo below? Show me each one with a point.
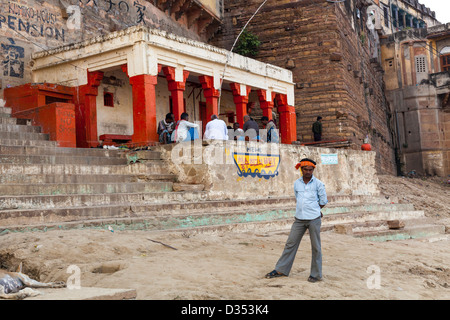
(335, 74)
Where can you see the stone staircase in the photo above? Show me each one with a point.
(45, 187)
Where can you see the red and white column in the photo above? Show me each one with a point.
(86, 111)
(144, 108)
(176, 87)
(240, 98)
(288, 120)
(266, 102)
(211, 95)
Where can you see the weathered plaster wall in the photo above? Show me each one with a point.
(117, 119)
(421, 129)
(213, 166)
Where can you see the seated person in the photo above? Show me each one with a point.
(165, 129)
(238, 132)
(216, 129)
(185, 130)
(250, 128)
(272, 132)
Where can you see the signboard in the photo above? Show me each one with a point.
(257, 165)
(330, 158)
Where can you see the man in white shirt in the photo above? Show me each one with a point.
(216, 129)
(182, 128)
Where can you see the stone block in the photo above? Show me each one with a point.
(343, 229)
(396, 224)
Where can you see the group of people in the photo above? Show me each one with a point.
(170, 131)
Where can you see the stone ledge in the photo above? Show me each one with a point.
(85, 293)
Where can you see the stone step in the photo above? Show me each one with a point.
(140, 201)
(61, 159)
(24, 136)
(99, 152)
(375, 225)
(149, 167)
(5, 110)
(156, 217)
(53, 150)
(411, 232)
(84, 188)
(81, 178)
(348, 200)
(92, 200)
(358, 217)
(4, 120)
(19, 128)
(337, 208)
(182, 214)
(26, 143)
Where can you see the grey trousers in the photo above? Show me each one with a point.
(298, 229)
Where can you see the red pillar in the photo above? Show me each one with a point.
(177, 90)
(144, 109)
(288, 122)
(266, 103)
(86, 112)
(240, 100)
(211, 94)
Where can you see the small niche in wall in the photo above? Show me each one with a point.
(108, 99)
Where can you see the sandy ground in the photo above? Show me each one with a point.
(232, 265)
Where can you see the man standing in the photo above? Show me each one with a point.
(317, 129)
(311, 197)
(216, 129)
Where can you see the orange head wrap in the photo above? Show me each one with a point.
(304, 163)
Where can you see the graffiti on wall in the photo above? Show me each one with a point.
(12, 60)
(37, 22)
(118, 8)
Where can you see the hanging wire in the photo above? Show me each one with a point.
(231, 51)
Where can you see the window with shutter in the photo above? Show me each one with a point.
(445, 62)
(108, 99)
(421, 64)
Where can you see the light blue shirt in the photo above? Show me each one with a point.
(309, 198)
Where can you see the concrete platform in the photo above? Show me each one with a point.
(85, 294)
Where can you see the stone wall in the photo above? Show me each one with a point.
(331, 54)
(216, 166)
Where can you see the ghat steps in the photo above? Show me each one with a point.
(43, 186)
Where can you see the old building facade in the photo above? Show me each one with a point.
(34, 25)
(418, 85)
(332, 49)
(390, 16)
(121, 83)
(336, 66)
